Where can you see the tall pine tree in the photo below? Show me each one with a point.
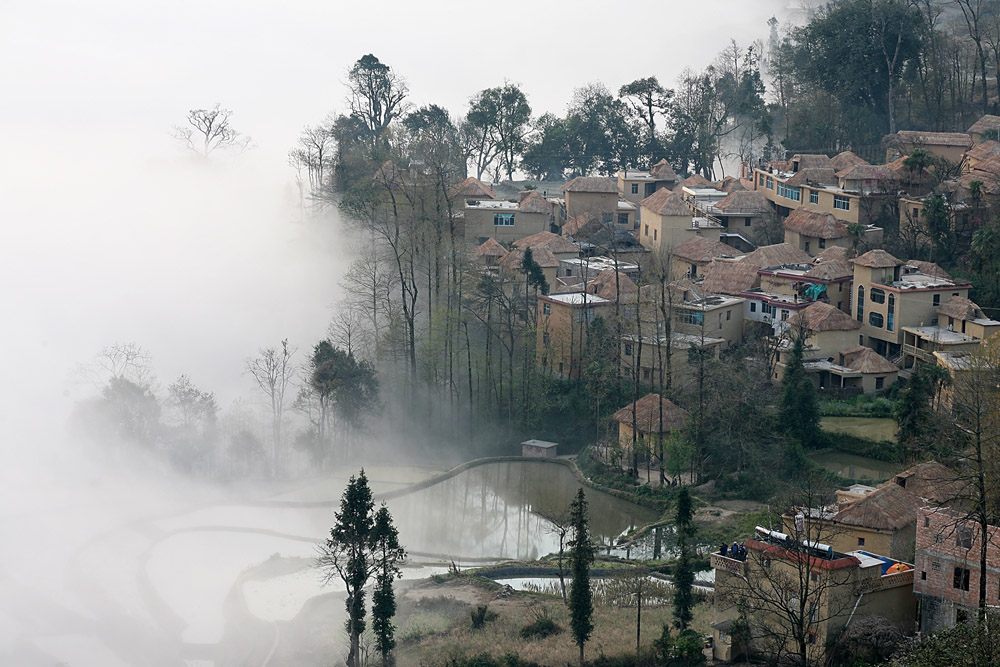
(581, 555)
(385, 544)
(684, 574)
(799, 416)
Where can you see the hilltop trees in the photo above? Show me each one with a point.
(363, 544)
(495, 129)
(376, 97)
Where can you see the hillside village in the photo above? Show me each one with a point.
(868, 319)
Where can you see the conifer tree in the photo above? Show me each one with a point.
(581, 603)
(362, 544)
(684, 574)
(385, 544)
(799, 415)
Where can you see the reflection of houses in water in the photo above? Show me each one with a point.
(502, 510)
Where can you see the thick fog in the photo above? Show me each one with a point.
(112, 233)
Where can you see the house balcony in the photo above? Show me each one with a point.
(894, 580)
(923, 355)
(731, 565)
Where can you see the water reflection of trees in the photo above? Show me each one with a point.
(497, 511)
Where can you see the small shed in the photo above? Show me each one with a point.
(539, 448)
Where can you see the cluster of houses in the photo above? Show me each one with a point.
(867, 315)
(905, 551)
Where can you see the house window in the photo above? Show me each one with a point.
(789, 192)
(753, 307)
(635, 188)
(646, 232)
(861, 541)
(877, 295)
(760, 179)
(545, 338)
(963, 538)
(503, 219)
(822, 243)
(720, 320)
(813, 197)
(547, 308)
(691, 317)
(784, 315)
(876, 320)
(814, 577)
(654, 234)
(729, 315)
(961, 580)
(861, 303)
(841, 203)
(770, 183)
(927, 522)
(879, 383)
(607, 217)
(765, 562)
(936, 566)
(807, 246)
(645, 373)
(623, 219)
(628, 349)
(923, 575)
(937, 299)
(746, 222)
(891, 316)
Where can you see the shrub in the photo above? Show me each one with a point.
(542, 627)
(482, 615)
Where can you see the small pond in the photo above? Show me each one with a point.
(879, 429)
(852, 466)
(505, 510)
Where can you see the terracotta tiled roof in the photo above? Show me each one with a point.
(815, 224)
(553, 242)
(844, 160)
(730, 184)
(877, 259)
(695, 181)
(701, 249)
(744, 201)
(919, 138)
(831, 269)
(604, 285)
(647, 415)
(513, 259)
(931, 481)
(985, 150)
(472, 187)
(581, 227)
(819, 316)
(665, 202)
(534, 203)
(984, 124)
(866, 360)
(729, 277)
(813, 175)
(776, 255)
(929, 268)
(662, 171)
(888, 508)
(490, 248)
(960, 308)
(867, 172)
(600, 184)
(811, 161)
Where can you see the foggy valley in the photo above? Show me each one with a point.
(156, 508)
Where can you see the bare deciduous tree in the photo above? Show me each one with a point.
(272, 372)
(209, 131)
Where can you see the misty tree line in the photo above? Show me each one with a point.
(325, 398)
